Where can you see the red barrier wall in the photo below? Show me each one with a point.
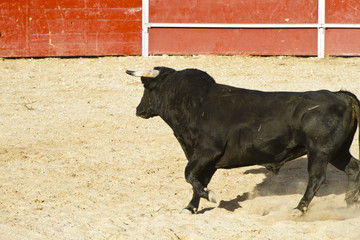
(114, 27)
(14, 34)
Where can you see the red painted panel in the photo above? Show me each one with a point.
(70, 27)
(342, 42)
(12, 33)
(57, 4)
(114, 26)
(233, 41)
(57, 26)
(232, 11)
(54, 39)
(342, 11)
(13, 27)
(77, 49)
(58, 29)
(125, 14)
(114, 38)
(51, 14)
(110, 48)
(43, 49)
(114, 3)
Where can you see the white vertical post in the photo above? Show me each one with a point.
(321, 29)
(145, 29)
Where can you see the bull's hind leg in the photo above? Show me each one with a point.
(353, 172)
(317, 164)
(351, 166)
(199, 177)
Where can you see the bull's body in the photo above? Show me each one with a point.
(220, 126)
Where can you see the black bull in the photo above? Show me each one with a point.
(220, 126)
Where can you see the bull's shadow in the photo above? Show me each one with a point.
(291, 179)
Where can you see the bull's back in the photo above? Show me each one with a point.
(234, 105)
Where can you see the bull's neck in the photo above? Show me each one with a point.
(181, 126)
(178, 121)
(183, 106)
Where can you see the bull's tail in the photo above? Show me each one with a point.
(353, 195)
(355, 104)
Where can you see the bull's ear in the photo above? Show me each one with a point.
(148, 83)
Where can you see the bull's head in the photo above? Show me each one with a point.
(151, 102)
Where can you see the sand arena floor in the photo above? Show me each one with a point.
(76, 163)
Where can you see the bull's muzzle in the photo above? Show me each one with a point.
(143, 114)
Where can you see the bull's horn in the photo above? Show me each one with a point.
(147, 73)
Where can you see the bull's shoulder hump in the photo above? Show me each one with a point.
(194, 73)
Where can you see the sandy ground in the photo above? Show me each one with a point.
(76, 163)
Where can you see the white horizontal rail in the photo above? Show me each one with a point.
(230, 25)
(250, 25)
(339, 25)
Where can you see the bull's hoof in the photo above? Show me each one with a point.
(274, 168)
(187, 211)
(296, 213)
(211, 196)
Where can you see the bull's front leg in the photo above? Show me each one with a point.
(199, 177)
(193, 205)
